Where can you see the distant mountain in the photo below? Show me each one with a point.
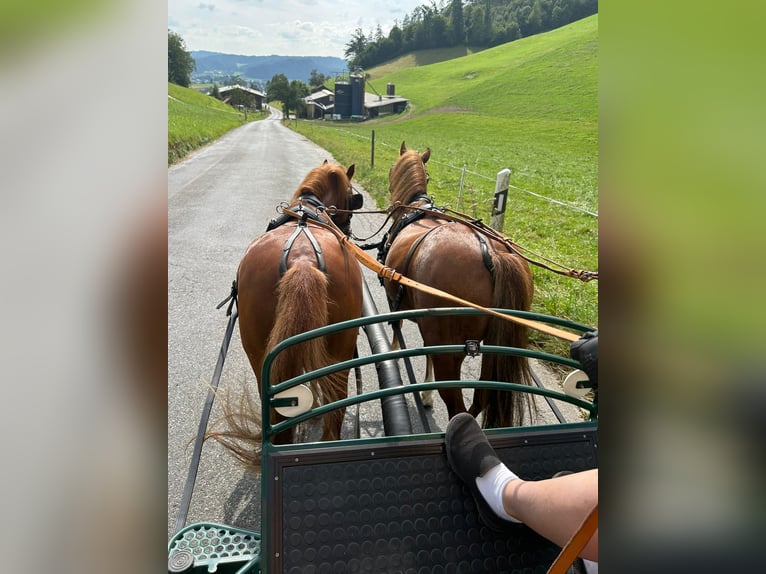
(217, 67)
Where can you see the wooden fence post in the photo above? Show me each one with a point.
(501, 198)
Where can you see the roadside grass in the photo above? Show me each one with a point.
(195, 120)
(530, 106)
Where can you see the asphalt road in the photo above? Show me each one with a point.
(219, 200)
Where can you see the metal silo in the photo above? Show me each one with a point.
(357, 95)
(390, 89)
(343, 99)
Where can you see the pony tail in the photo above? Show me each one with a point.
(242, 433)
(301, 307)
(512, 288)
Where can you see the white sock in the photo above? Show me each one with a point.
(491, 486)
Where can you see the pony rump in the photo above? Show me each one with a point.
(512, 288)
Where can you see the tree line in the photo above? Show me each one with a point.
(475, 23)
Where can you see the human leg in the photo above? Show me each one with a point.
(553, 508)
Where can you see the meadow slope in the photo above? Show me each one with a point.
(529, 105)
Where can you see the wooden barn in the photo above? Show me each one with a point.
(241, 96)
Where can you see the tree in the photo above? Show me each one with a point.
(395, 35)
(298, 90)
(278, 88)
(355, 46)
(215, 93)
(316, 79)
(457, 24)
(180, 62)
(291, 94)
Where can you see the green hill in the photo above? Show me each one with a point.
(529, 105)
(418, 58)
(195, 120)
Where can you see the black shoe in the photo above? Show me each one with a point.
(471, 456)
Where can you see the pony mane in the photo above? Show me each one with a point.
(408, 177)
(328, 182)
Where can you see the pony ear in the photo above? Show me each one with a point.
(402, 148)
(426, 155)
(324, 162)
(350, 171)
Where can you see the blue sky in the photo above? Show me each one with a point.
(284, 27)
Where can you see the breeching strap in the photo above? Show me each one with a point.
(393, 275)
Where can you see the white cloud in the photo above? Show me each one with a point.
(286, 27)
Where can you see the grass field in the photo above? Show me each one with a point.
(530, 106)
(195, 120)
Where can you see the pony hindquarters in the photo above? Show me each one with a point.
(512, 288)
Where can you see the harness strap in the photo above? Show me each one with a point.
(301, 228)
(411, 216)
(478, 226)
(299, 212)
(484, 251)
(406, 267)
(393, 275)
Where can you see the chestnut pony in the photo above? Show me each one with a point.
(296, 277)
(454, 258)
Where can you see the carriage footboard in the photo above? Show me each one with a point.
(394, 505)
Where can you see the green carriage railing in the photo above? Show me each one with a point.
(270, 391)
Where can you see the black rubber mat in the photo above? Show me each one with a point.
(397, 507)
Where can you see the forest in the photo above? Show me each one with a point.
(476, 24)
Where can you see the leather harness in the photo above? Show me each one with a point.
(302, 227)
(408, 219)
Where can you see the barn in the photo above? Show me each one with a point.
(351, 101)
(241, 96)
(319, 102)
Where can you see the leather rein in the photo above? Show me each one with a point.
(393, 275)
(479, 227)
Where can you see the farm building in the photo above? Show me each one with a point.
(241, 96)
(319, 103)
(351, 101)
(377, 105)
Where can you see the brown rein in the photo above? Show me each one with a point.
(478, 226)
(576, 543)
(393, 275)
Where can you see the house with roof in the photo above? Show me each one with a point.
(319, 103)
(241, 96)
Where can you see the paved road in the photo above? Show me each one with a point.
(219, 200)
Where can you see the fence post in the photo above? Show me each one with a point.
(460, 191)
(372, 150)
(501, 198)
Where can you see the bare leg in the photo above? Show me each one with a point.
(555, 507)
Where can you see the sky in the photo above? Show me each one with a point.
(281, 27)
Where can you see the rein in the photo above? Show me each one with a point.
(576, 543)
(479, 227)
(393, 275)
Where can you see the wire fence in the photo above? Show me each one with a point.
(469, 192)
